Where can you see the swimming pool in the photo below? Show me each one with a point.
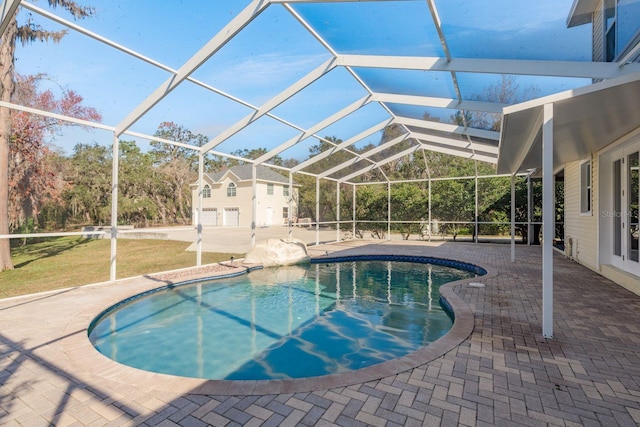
(280, 323)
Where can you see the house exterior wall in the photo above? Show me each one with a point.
(618, 268)
(581, 230)
(243, 202)
(598, 34)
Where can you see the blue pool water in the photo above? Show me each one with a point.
(278, 323)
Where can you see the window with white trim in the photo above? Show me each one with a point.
(285, 191)
(621, 31)
(206, 192)
(231, 190)
(585, 187)
(269, 189)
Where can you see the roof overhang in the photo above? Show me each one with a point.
(581, 12)
(585, 120)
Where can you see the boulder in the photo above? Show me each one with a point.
(274, 252)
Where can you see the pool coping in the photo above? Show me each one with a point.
(81, 352)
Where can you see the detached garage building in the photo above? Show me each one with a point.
(226, 198)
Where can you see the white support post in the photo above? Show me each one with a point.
(337, 211)
(513, 218)
(290, 215)
(388, 210)
(353, 226)
(317, 211)
(548, 221)
(530, 227)
(429, 219)
(476, 208)
(254, 203)
(199, 212)
(114, 208)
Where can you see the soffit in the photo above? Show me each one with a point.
(584, 122)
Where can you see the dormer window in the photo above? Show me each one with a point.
(206, 192)
(231, 190)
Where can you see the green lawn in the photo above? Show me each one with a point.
(71, 261)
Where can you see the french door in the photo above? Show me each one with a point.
(626, 221)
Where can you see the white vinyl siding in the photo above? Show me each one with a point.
(598, 34)
(579, 228)
(242, 202)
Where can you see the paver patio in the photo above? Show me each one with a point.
(502, 373)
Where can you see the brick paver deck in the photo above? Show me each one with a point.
(500, 370)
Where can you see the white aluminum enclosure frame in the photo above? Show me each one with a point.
(552, 129)
(516, 152)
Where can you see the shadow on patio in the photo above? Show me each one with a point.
(505, 372)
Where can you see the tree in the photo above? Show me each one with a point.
(138, 184)
(166, 153)
(35, 178)
(372, 205)
(506, 91)
(177, 167)
(253, 154)
(25, 33)
(408, 201)
(87, 196)
(327, 196)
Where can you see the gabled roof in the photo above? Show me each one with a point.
(244, 173)
(581, 12)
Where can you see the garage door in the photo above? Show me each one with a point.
(231, 216)
(209, 216)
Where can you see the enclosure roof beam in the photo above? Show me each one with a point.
(137, 55)
(271, 104)
(629, 56)
(7, 12)
(56, 116)
(317, 127)
(364, 156)
(577, 69)
(491, 149)
(428, 101)
(378, 164)
(333, 52)
(327, 1)
(377, 128)
(457, 152)
(209, 49)
(445, 127)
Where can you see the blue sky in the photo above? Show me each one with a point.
(274, 51)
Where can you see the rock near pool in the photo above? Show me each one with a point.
(274, 252)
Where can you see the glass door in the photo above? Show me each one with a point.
(617, 210)
(625, 168)
(633, 178)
